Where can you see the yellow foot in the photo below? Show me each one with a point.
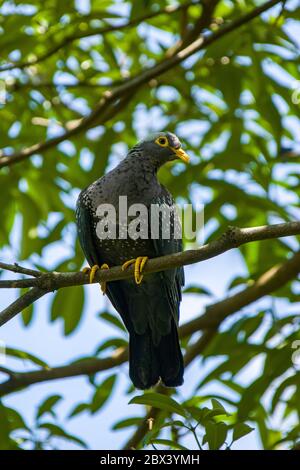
(139, 264)
(93, 271)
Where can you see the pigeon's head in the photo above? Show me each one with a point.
(163, 147)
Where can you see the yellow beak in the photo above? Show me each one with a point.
(181, 154)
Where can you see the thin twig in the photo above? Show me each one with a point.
(16, 268)
(280, 13)
(7, 371)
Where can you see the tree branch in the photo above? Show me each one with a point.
(21, 303)
(86, 367)
(16, 268)
(5, 370)
(233, 238)
(111, 98)
(214, 314)
(18, 86)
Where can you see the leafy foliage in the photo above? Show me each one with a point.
(234, 106)
(212, 427)
(42, 435)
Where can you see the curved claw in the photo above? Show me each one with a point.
(139, 264)
(86, 270)
(103, 283)
(93, 271)
(127, 264)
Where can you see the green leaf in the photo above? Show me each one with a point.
(48, 405)
(240, 430)
(139, 8)
(126, 423)
(169, 443)
(68, 304)
(79, 409)
(103, 393)
(111, 343)
(288, 382)
(16, 421)
(216, 434)
(218, 407)
(4, 429)
(175, 423)
(195, 289)
(112, 320)
(157, 400)
(251, 396)
(57, 431)
(26, 356)
(27, 313)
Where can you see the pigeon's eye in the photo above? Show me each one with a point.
(162, 141)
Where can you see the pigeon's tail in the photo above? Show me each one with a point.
(143, 364)
(148, 363)
(170, 359)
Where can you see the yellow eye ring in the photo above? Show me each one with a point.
(162, 141)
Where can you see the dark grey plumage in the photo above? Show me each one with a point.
(150, 311)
